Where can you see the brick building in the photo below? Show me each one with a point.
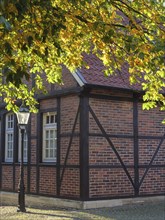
(89, 141)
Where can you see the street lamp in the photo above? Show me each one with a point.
(22, 117)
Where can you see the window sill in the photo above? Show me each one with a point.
(48, 164)
(7, 163)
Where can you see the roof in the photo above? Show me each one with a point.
(95, 75)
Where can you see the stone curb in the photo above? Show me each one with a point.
(8, 198)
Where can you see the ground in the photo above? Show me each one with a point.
(145, 211)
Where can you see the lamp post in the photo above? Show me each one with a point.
(22, 117)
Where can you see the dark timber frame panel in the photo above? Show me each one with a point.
(136, 144)
(152, 159)
(60, 168)
(39, 163)
(83, 112)
(112, 146)
(136, 183)
(69, 147)
(84, 148)
(15, 164)
(58, 146)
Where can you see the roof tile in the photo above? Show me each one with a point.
(95, 75)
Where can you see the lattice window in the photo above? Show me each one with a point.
(9, 140)
(49, 137)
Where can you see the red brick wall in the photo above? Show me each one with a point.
(71, 179)
(109, 183)
(73, 156)
(33, 151)
(69, 107)
(71, 183)
(100, 152)
(33, 180)
(47, 174)
(116, 118)
(48, 104)
(7, 177)
(47, 181)
(154, 182)
(147, 149)
(150, 124)
(17, 177)
(33, 121)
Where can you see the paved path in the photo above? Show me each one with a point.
(145, 211)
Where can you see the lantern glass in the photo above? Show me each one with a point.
(23, 116)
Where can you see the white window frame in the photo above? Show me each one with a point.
(49, 126)
(9, 142)
(25, 153)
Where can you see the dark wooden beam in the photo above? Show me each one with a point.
(1, 152)
(69, 145)
(15, 150)
(38, 150)
(111, 145)
(110, 97)
(84, 148)
(136, 145)
(29, 156)
(2, 147)
(58, 145)
(60, 93)
(152, 159)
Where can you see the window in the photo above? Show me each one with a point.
(25, 153)
(9, 142)
(49, 137)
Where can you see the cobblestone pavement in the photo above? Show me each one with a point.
(144, 211)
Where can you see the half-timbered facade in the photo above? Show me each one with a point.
(90, 140)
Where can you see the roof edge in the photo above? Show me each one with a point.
(79, 78)
(95, 86)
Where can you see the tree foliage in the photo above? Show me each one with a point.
(37, 36)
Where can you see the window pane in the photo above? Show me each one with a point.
(9, 137)
(11, 124)
(10, 121)
(54, 153)
(25, 147)
(51, 153)
(49, 137)
(10, 154)
(52, 119)
(47, 153)
(51, 144)
(47, 144)
(47, 134)
(47, 119)
(11, 117)
(25, 153)
(52, 133)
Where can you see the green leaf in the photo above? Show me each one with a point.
(8, 48)
(5, 23)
